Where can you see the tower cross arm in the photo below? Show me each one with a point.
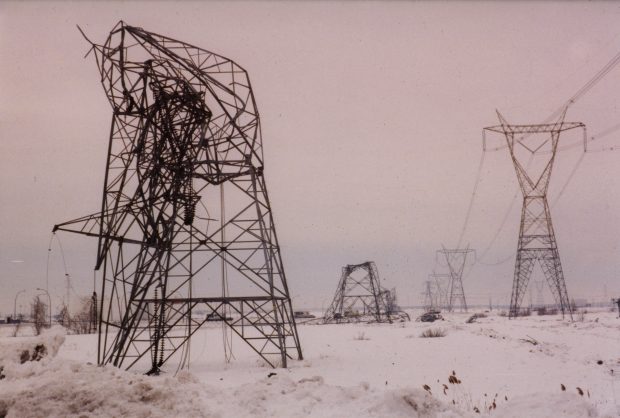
(535, 129)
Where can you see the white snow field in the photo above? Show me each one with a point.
(349, 370)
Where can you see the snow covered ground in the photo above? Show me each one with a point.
(352, 370)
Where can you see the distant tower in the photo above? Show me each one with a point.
(360, 298)
(442, 284)
(429, 297)
(455, 260)
(536, 236)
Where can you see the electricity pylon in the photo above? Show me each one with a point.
(442, 286)
(359, 297)
(429, 297)
(172, 239)
(455, 260)
(537, 241)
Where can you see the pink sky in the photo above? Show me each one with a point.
(371, 113)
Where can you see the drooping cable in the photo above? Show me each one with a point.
(69, 286)
(501, 226)
(226, 338)
(568, 180)
(471, 201)
(574, 98)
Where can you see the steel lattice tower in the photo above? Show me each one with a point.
(442, 284)
(455, 260)
(537, 241)
(428, 303)
(360, 298)
(185, 223)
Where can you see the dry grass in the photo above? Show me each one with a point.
(433, 333)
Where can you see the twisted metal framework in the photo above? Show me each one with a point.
(185, 223)
(455, 261)
(360, 298)
(537, 241)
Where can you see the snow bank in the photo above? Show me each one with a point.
(69, 389)
(34, 383)
(281, 396)
(565, 405)
(380, 376)
(24, 356)
(57, 387)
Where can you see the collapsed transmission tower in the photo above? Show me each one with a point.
(455, 261)
(360, 298)
(186, 224)
(537, 241)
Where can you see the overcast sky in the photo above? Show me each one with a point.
(371, 114)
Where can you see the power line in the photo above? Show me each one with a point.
(568, 180)
(562, 109)
(471, 201)
(576, 96)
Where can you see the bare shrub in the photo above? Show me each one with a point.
(433, 333)
(18, 325)
(39, 315)
(64, 318)
(82, 322)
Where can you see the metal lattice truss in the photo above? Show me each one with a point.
(185, 223)
(360, 297)
(430, 296)
(439, 288)
(537, 241)
(454, 294)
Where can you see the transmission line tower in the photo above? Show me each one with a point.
(442, 286)
(360, 298)
(537, 241)
(429, 297)
(171, 239)
(455, 261)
